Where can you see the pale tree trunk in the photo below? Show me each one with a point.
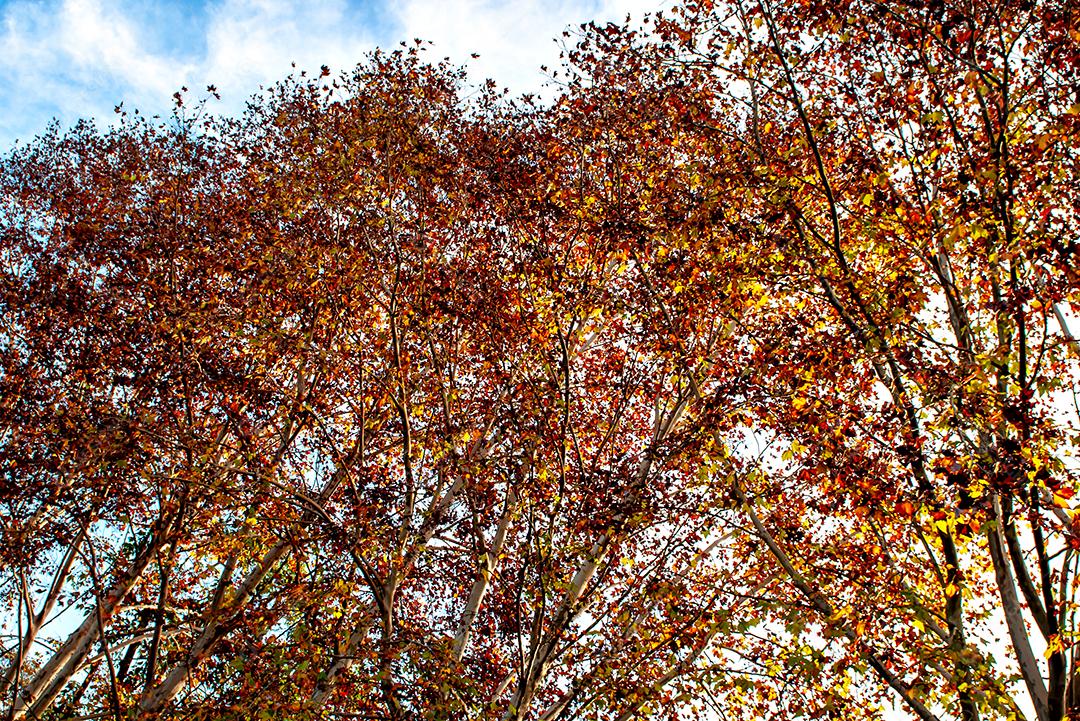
(157, 698)
(344, 660)
(216, 628)
(37, 619)
(1014, 618)
(483, 578)
(542, 650)
(678, 667)
(38, 694)
(822, 605)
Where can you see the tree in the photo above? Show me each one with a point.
(901, 181)
(333, 409)
(737, 377)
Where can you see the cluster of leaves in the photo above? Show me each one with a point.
(736, 380)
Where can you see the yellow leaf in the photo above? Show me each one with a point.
(1054, 645)
(839, 614)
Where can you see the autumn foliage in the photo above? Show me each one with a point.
(737, 381)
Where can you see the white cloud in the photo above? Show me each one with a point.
(79, 58)
(68, 58)
(103, 41)
(514, 39)
(253, 42)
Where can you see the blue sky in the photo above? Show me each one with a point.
(79, 58)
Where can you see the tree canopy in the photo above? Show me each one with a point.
(737, 381)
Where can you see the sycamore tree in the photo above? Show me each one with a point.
(339, 408)
(737, 381)
(900, 182)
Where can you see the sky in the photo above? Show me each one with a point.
(71, 59)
